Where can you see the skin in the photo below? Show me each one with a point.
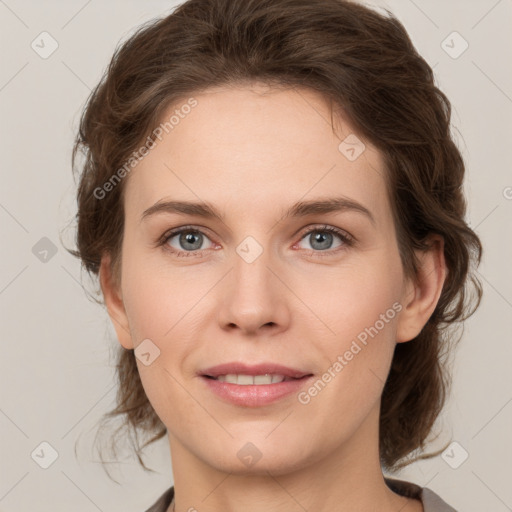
(252, 152)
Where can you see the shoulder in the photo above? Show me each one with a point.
(162, 503)
(431, 501)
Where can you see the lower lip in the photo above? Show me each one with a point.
(255, 395)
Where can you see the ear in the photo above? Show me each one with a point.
(422, 294)
(114, 302)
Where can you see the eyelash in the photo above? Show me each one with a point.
(347, 240)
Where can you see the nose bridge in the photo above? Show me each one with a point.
(256, 297)
(251, 274)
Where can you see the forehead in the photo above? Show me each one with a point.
(256, 147)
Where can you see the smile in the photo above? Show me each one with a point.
(255, 380)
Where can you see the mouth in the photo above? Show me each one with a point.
(255, 374)
(253, 386)
(253, 380)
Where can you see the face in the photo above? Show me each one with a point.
(300, 269)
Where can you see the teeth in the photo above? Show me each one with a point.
(245, 380)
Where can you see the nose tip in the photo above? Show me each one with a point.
(254, 299)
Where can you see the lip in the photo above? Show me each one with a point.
(254, 395)
(257, 369)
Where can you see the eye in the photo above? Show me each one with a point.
(321, 239)
(186, 241)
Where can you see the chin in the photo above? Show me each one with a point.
(275, 464)
(250, 455)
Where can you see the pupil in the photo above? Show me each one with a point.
(323, 239)
(188, 238)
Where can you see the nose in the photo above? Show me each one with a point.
(254, 299)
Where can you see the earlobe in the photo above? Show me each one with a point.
(421, 296)
(114, 302)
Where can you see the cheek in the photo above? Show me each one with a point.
(360, 308)
(168, 310)
(355, 298)
(158, 302)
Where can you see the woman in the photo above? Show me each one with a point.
(272, 202)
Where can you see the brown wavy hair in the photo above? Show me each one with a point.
(364, 63)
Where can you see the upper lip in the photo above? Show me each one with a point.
(256, 369)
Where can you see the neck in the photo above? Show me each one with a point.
(345, 479)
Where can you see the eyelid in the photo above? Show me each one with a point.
(347, 240)
(328, 228)
(176, 231)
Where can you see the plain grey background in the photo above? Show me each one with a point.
(56, 373)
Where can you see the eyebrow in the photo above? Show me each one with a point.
(300, 209)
